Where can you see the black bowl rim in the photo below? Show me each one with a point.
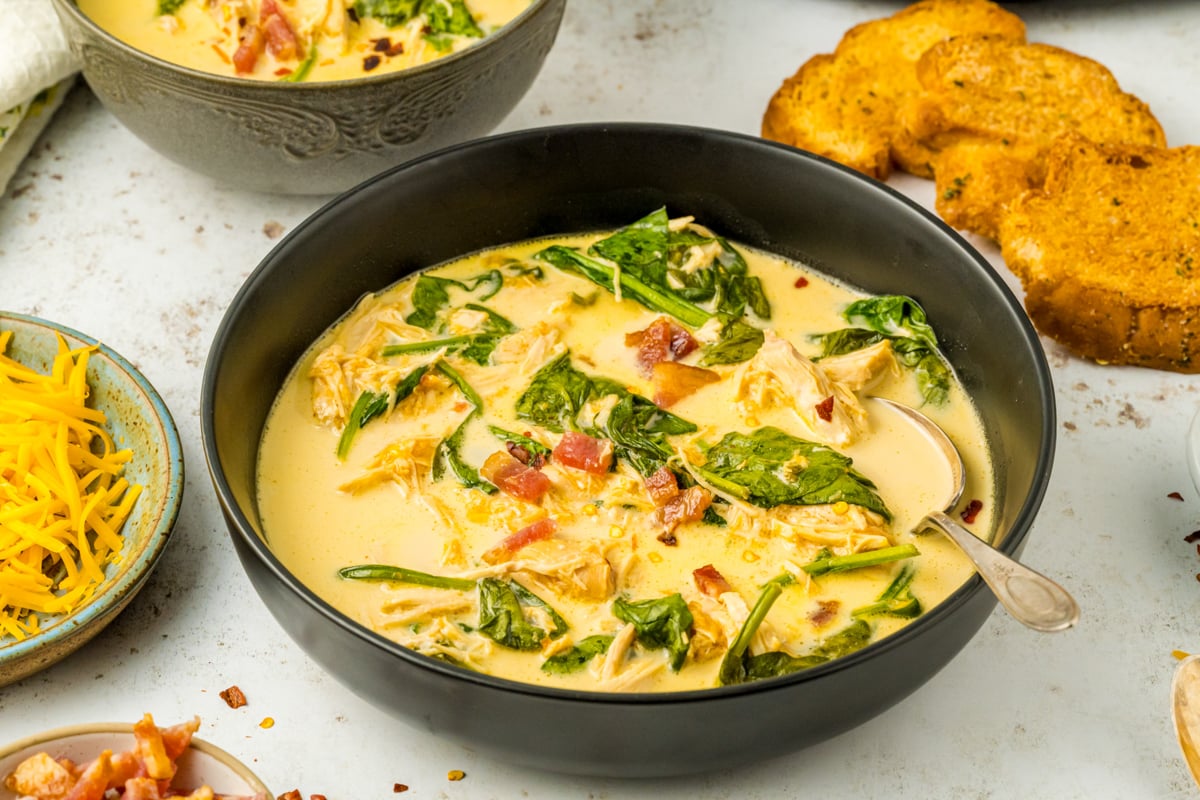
(252, 86)
(1016, 533)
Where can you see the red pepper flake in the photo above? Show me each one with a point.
(971, 511)
(1176, 496)
(233, 697)
(460, 406)
(395, 50)
(668, 538)
(825, 409)
(382, 45)
(371, 62)
(1192, 537)
(801, 282)
(398, 788)
(282, 71)
(824, 613)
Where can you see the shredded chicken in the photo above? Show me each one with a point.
(408, 604)
(442, 637)
(843, 529)
(710, 638)
(574, 569)
(863, 368)
(404, 462)
(778, 376)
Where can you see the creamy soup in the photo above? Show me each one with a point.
(295, 40)
(637, 461)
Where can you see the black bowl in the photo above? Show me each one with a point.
(588, 177)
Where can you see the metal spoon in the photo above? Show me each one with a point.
(1185, 711)
(1030, 597)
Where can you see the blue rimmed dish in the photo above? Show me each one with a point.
(137, 418)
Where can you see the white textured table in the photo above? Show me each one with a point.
(102, 234)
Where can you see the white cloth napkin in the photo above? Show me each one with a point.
(37, 69)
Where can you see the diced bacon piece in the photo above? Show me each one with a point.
(522, 454)
(514, 478)
(580, 451)
(710, 582)
(250, 47)
(825, 409)
(673, 382)
(141, 789)
(688, 506)
(663, 340)
(507, 547)
(824, 613)
(93, 783)
(281, 39)
(662, 486)
(151, 750)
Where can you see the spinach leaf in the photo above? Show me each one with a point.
(168, 6)
(637, 427)
(528, 598)
(476, 347)
(450, 17)
(897, 599)
(663, 622)
(385, 572)
(771, 468)
(449, 450)
(370, 405)
(902, 321)
(604, 274)
(640, 249)
(739, 666)
(827, 564)
(534, 448)
(390, 12)
(555, 395)
(431, 294)
(502, 619)
(577, 657)
(737, 342)
(895, 316)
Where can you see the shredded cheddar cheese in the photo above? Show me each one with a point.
(63, 499)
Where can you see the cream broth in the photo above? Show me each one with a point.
(322, 513)
(310, 40)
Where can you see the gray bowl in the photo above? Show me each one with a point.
(311, 138)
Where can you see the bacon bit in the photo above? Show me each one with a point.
(397, 788)
(250, 47)
(688, 506)
(580, 451)
(825, 409)
(971, 511)
(294, 794)
(1175, 496)
(233, 697)
(1192, 537)
(281, 39)
(382, 45)
(710, 582)
(826, 610)
(673, 382)
(283, 71)
(662, 486)
(668, 538)
(662, 340)
(455, 775)
(395, 50)
(371, 62)
(801, 282)
(522, 454)
(514, 478)
(507, 547)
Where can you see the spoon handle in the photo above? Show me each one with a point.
(1032, 598)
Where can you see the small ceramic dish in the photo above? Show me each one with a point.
(1193, 450)
(138, 419)
(202, 764)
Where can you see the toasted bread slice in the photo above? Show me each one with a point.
(843, 105)
(1108, 251)
(1000, 103)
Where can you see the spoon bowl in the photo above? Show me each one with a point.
(1029, 596)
